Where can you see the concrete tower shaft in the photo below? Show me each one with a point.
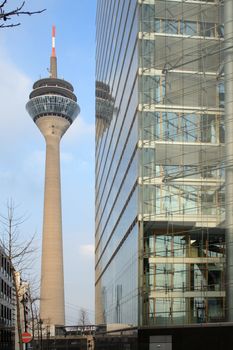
(52, 309)
(53, 108)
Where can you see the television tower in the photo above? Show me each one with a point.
(53, 107)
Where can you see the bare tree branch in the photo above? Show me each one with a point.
(3, 3)
(83, 317)
(6, 15)
(17, 251)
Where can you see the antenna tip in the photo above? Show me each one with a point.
(53, 30)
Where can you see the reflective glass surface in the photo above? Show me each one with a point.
(116, 165)
(117, 289)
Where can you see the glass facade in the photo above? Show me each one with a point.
(160, 241)
(117, 162)
(52, 105)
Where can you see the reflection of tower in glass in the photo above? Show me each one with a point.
(53, 108)
(104, 107)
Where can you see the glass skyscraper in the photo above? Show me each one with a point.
(160, 212)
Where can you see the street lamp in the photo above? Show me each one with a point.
(41, 339)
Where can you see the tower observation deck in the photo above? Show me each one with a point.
(53, 107)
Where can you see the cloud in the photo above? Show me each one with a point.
(35, 162)
(80, 130)
(33, 169)
(5, 175)
(66, 157)
(14, 90)
(87, 250)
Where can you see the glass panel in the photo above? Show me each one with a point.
(221, 94)
(207, 29)
(188, 28)
(170, 26)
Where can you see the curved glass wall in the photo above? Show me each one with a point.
(116, 163)
(52, 105)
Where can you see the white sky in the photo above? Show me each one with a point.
(24, 58)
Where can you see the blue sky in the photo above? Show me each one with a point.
(24, 58)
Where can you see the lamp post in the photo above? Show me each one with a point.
(24, 302)
(48, 337)
(41, 337)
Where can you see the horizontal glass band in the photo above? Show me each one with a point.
(53, 105)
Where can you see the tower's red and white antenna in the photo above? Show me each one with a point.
(53, 58)
(53, 41)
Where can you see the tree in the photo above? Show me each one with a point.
(18, 254)
(7, 14)
(33, 295)
(83, 317)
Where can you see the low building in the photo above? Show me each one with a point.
(24, 306)
(7, 304)
(77, 337)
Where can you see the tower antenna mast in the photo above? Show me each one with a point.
(53, 58)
